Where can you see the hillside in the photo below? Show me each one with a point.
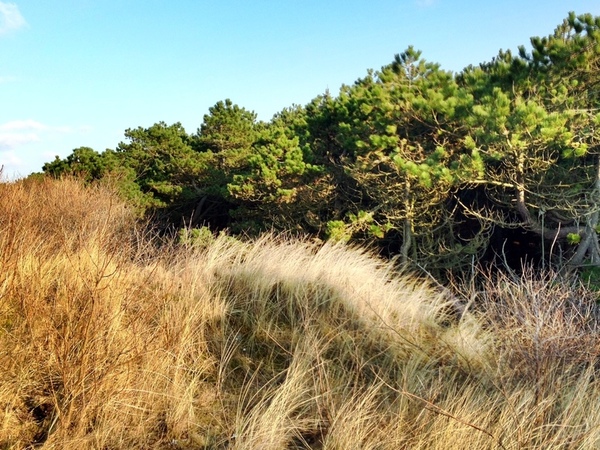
(110, 339)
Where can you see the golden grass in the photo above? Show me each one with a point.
(108, 341)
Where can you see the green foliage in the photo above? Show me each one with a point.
(272, 161)
(410, 157)
(337, 231)
(573, 238)
(226, 127)
(162, 160)
(274, 183)
(201, 237)
(590, 277)
(83, 162)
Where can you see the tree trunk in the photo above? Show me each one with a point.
(531, 223)
(589, 248)
(407, 238)
(407, 232)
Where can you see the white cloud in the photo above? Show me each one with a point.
(22, 125)
(19, 132)
(10, 165)
(425, 3)
(12, 140)
(10, 18)
(11, 159)
(25, 145)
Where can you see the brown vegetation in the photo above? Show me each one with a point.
(107, 343)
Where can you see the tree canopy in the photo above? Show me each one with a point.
(418, 161)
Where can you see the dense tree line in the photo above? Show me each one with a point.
(423, 163)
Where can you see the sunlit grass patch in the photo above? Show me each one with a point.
(110, 341)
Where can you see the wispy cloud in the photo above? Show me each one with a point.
(9, 141)
(25, 145)
(10, 18)
(19, 132)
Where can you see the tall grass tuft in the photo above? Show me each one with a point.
(111, 341)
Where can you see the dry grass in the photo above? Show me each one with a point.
(107, 343)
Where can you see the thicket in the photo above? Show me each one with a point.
(107, 342)
(440, 169)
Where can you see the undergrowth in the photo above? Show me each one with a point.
(108, 341)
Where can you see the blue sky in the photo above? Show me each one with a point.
(79, 72)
